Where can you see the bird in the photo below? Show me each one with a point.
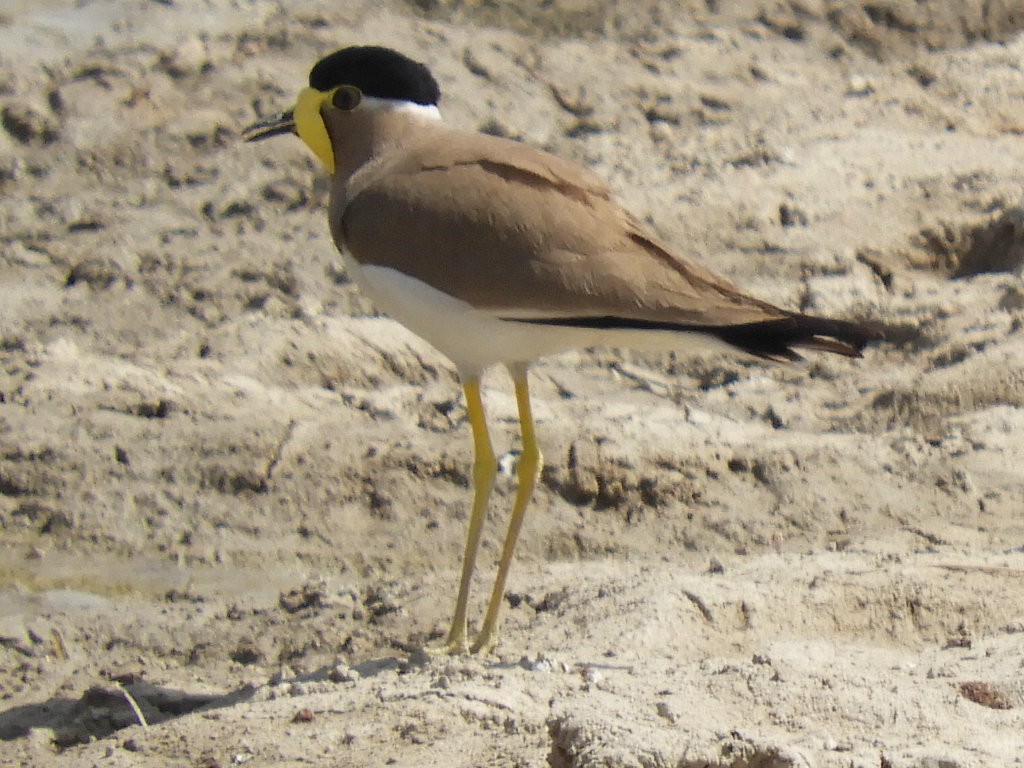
(499, 254)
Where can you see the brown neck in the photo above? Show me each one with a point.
(359, 138)
(362, 135)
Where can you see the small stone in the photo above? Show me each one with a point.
(443, 682)
(592, 676)
(540, 664)
(342, 673)
(665, 711)
(282, 676)
(662, 133)
(858, 85)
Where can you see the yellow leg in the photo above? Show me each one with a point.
(485, 466)
(529, 471)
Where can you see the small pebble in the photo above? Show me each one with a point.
(858, 85)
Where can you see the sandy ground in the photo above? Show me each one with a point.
(233, 496)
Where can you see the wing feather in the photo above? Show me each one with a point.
(504, 220)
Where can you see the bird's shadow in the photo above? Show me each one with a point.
(106, 708)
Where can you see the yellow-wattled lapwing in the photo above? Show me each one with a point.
(498, 253)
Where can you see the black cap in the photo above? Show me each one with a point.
(376, 71)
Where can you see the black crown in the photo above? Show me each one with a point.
(376, 71)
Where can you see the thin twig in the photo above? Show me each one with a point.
(131, 703)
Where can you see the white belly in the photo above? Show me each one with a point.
(475, 339)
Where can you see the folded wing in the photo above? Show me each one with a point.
(510, 220)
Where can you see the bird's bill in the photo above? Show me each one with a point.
(304, 121)
(272, 126)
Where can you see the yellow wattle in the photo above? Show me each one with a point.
(310, 125)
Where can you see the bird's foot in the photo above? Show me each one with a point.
(457, 644)
(485, 642)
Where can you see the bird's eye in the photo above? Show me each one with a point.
(347, 97)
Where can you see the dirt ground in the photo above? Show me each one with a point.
(233, 498)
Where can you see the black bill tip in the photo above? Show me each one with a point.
(272, 126)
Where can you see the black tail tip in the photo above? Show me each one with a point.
(779, 339)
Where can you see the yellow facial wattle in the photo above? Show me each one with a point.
(309, 124)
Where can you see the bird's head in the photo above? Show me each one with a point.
(354, 78)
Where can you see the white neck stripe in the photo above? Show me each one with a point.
(376, 104)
